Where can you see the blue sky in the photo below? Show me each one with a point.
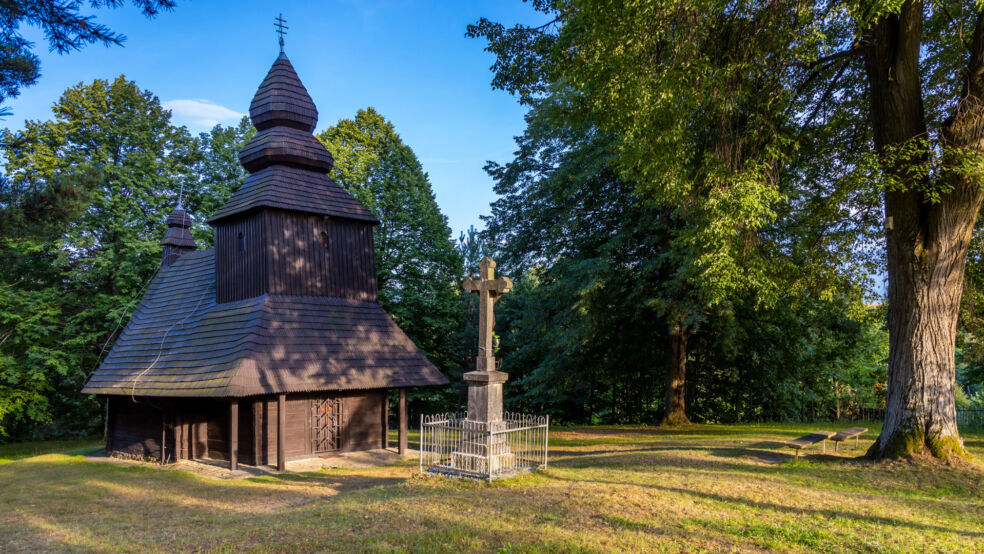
(408, 59)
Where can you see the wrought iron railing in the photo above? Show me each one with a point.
(450, 444)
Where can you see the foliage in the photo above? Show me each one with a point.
(217, 175)
(584, 331)
(418, 267)
(64, 26)
(84, 202)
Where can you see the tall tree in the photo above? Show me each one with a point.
(102, 175)
(65, 28)
(792, 84)
(217, 174)
(929, 139)
(418, 267)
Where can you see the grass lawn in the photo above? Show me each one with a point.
(706, 487)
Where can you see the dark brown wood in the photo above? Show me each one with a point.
(257, 407)
(403, 422)
(302, 248)
(233, 434)
(288, 253)
(281, 432)
(240, 258)
(194, 432)
(179, 437)
(385, 425)
(110, 425)
(809, 440)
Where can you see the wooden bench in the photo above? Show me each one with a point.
(852, 433)
(810, 440)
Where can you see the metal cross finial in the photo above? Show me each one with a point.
(281, 30)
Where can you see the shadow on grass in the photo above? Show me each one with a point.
(796, 510)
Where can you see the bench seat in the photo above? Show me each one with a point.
(809, 440)
(852, 433)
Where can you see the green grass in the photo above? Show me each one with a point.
(699, 488)
(17, 451)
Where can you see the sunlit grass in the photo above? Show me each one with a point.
(607, 488)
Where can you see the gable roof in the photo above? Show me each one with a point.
(180, 343)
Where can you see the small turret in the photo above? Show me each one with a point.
(178, 241)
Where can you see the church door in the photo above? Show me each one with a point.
(327, 418)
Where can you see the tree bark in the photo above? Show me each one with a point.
(676, 377)
(926, 241)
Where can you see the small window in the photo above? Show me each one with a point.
(241, 242)
(323, 238)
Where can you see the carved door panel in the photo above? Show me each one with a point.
(326, 414)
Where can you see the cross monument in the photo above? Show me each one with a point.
(485, 383)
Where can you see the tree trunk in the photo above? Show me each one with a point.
(926, 241)
(676, 377)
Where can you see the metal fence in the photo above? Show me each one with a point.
(966, 417)
(450, 444)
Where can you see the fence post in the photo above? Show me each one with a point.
(421, 452)
(488, 454)
(546, 440)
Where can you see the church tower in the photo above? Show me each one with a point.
(290, 229)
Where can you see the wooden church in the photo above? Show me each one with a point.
(271, 346)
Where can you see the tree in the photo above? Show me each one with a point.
(217, 175)
(65, 28)
(417, 266)
(927, 118)
(585, 327)
(778, 98)
(86, 195)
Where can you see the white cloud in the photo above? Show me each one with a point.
(201, 113)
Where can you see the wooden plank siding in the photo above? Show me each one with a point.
(240, 265)
(288, 253)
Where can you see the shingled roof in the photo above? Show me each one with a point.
(287, 164)
(179, 342)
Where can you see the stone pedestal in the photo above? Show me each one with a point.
(481, 451)
(485, 395)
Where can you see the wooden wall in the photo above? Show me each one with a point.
(240, 265)
(362, 424)
(290, 253)
(199, 428)
(137, 429)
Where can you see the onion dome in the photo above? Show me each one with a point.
(287, 164)
(178, 240)
(282, 100)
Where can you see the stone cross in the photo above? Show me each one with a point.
(489, 290)
(485, 383)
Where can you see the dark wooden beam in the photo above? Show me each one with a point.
(233, 434)
(110, 424)
(194, 431)
(281, 431)
(403, 422)
(258, 431)
(386, 418)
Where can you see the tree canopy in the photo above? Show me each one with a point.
(733, 113)
(417, 264)
(64, 26)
